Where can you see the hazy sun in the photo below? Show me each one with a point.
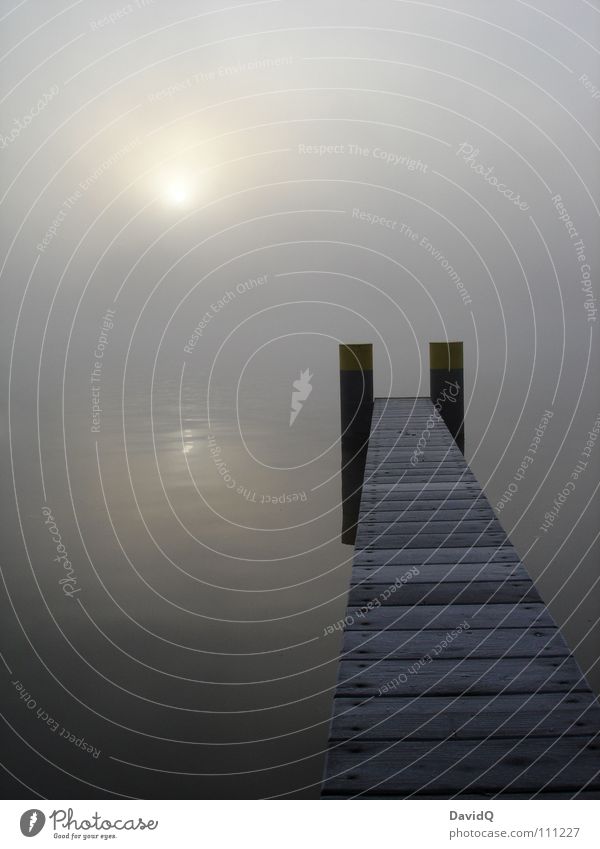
(177, 193)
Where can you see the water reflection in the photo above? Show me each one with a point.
(195, 657)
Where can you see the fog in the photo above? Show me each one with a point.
(200, 201)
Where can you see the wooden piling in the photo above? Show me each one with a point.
(446, 381)
(356, 406)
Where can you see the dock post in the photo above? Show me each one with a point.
(356, 389)
(356, 405)
(447, 386)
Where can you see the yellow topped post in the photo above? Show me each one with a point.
(446, 381)
(356, 357)
(356, 405)
(446, 355)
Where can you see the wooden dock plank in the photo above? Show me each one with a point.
(471, 718)
(421, 490)
(415, 617)
(474, 643)
(429, 539)
(482, 554)
(441, 470)
(425, 517)
(445, 592)
(388, 518)
(495, 765)
(439, 526)
(389, 499)
(456, 677)
(388, 573)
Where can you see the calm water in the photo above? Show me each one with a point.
(186, 642)
(185, 645)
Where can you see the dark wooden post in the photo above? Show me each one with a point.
(356, 406)
(447, 386)
(356, 388)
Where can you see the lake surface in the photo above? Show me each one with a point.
(174, 558)
(183, 650)
(186, 642)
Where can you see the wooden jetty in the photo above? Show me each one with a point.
(454, 679)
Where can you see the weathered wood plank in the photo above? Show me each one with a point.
(417, 478)
(466, 718)
(436, 471)
(400, 465)
(453, 500)
(399, 402)
(407, 422)
(410, 413)
(402, 471)
(488, 616)
(413, 426)
(474, 643)
(423, 556)
(445, 592)
(409, 767)
(472, 796)
(428, 539)
(440, 514)
(389, 500)
(456, 677)
(409, 508)
(389, 574)
(407, 450)
(441, 525)
(407, 419)
(410, 440)
(422, 489)
(409, 434)
(404, 451)
(384, 478)
(407, 447)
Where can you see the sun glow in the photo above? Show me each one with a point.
(177, 192)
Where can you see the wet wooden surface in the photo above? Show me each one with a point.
(454, 680)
